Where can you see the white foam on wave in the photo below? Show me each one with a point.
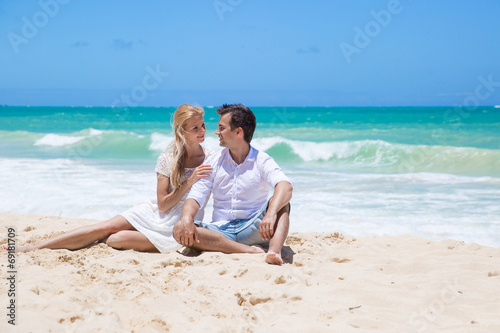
(434, 206)
(57, 140)
(306, 150)
(70, 188)
(94, 132)
(382, 156)
(160, 141)
(323, 151)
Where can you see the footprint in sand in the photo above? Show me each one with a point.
(65, 258)
(36, 290)
(257, 300)
(340, 260)
(183, 263)
(294, 240)
(72, 319)
(241, 273)
(298, 264)
(280, 280)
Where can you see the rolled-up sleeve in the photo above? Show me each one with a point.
(201, 190)
(271, 171)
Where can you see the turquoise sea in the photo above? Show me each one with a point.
(431, 172)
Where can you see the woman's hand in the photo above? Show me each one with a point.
(202, 171)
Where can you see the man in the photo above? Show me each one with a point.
(240, 183)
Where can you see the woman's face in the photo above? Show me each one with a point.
(195, 130)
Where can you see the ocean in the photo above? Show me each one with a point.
(430, 172)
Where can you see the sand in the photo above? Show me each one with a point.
(331, 283)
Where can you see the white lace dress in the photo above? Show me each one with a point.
(158, 227)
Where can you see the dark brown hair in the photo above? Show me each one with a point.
(241, 116)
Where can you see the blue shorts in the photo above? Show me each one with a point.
(244, 231)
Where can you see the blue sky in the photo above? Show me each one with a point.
(261, 53)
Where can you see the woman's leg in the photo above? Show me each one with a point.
(131, 240)
(83, 236)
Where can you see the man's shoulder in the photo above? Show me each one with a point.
(261, 156)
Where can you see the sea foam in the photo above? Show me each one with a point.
(385, 157)
(430, 205)
(160, 141)
(360, 171)
(57, 140)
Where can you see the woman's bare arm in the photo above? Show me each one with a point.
(168, 200)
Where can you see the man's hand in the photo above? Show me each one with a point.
(188, 235)
(266, 227)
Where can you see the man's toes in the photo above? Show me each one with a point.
(273, 259)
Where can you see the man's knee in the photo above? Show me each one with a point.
(285, 209)
(177, 231)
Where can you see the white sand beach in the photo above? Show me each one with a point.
(331, 283)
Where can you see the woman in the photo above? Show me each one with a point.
(148, 226)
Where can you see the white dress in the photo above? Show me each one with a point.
(158, 227)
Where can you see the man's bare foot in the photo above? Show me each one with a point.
(274, 258)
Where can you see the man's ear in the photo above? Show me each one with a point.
(239, 131)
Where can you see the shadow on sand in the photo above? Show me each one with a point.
(286, 253)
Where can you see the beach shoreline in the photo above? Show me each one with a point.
(358, 170)
(332, 282)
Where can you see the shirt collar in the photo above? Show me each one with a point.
(252, 155)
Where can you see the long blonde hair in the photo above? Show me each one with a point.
(178, 146)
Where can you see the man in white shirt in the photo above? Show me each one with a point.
(240, 181)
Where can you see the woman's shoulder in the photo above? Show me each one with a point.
(165, 157)
(163, 163)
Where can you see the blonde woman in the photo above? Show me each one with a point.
(148, 226)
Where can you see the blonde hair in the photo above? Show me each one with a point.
(178, 146)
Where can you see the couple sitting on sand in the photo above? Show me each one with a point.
(238, 177)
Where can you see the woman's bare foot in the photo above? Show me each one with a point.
(17, 249)
(257, 249)
(274, 258)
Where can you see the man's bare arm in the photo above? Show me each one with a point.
(189, 210)
(188, 234)
(281, 197)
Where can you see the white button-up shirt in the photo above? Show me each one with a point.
(239, 190)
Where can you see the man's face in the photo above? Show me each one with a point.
(226, 135)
